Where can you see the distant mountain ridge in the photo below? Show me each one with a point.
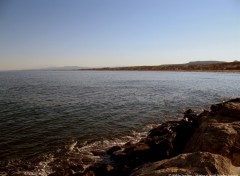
(191, 66)
(204, 62)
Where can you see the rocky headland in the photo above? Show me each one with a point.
(207, 143)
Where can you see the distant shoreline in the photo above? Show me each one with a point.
(210, 71)
(189, 67)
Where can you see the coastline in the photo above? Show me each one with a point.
(204, 71)
(188, 67)
(206, 143)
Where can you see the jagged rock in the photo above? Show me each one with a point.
(164, 141)
(200, 163)
(190, 115)
(230, 108)
(219, 132)
(99, 169)
(76, 168)
(218, 138)
(65, 172)
(89, 173)
(98, 152)
(113, 149)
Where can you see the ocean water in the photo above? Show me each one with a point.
(52, 119)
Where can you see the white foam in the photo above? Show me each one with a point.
(82, 153)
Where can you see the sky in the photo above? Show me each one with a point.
(94, 33)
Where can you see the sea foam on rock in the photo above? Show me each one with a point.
(207, 143)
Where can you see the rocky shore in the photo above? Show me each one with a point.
(199, 144)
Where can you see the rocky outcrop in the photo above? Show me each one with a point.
(202, 144)
(230, 108)
(219, 132)
(200, 163)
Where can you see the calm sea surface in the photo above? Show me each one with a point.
(44, 112)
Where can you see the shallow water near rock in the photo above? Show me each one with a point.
(54, 119)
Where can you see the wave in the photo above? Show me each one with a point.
(76, 155)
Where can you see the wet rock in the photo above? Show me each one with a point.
(170, 138)
(230, 108)
(113, 149)
(76, 168)
(136, 148)
(141, 147)
(59, 173)
(98, 152)
(68, 172)
(89, 173)
(62, 172)
(128, 144)
(190, 115)
(161, 130)
(87, 159)
(118, 155)
(200, 163)
(184, 131)
(161, 148)
(100, 169)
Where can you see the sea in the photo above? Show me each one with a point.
(54, 119)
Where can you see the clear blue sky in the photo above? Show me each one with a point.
(97, 33)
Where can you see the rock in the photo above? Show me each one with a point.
(113, 149)
(219, 132)
(100, 169)
(128, 144)
(64, 172)
(190, 115)
(162, 130)
(76, 168)
(89, 173)
(98, 152)
(56, 174)
(118, 155)
(200, 163)
(171, 137)
(87, 159)
(141, 147)
(230, 108)
(68, 172)
(218, 138)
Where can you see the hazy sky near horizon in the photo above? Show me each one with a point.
(94, 33)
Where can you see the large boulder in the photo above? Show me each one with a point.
(200, 163)
(218, 138)
(230, 108)
(219, 132)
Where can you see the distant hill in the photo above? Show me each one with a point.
(65, 68)
(204, 62)
(191, 66)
